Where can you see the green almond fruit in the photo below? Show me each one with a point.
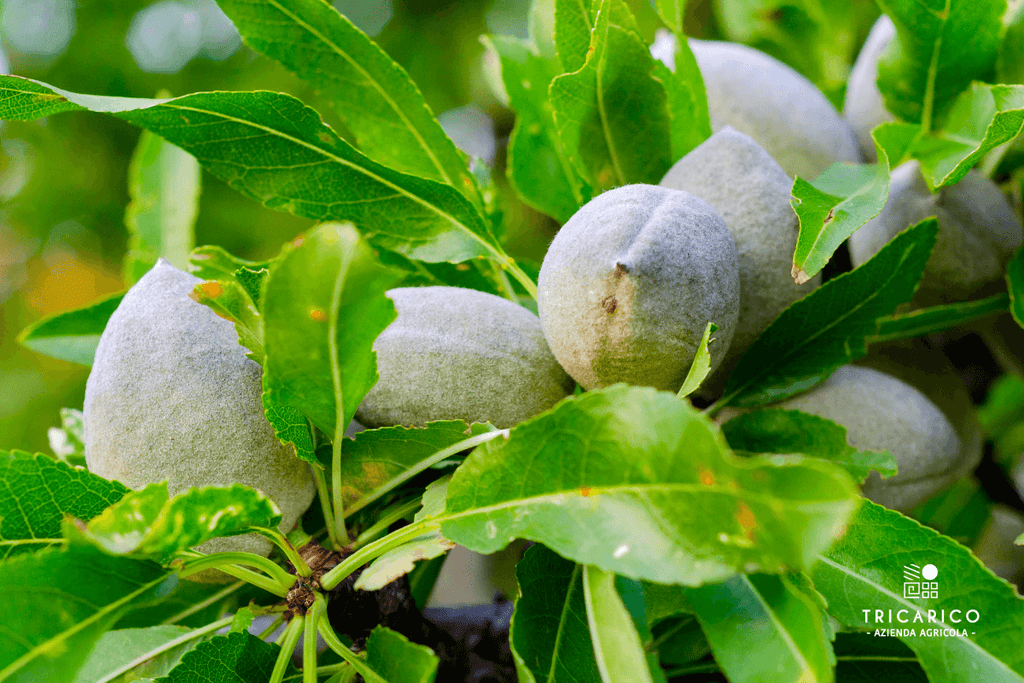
(461, 354)
(631, 281)
(172, 396)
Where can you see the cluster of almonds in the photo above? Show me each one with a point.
(625, 292)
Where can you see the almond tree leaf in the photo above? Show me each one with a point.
(229, 300)
(775, 430)
(36, 492)
(274, 149)
(764, 627)
(672, 13)
(57, 603)
(396, 659)
(149, 523)
(372, 94)
(866, 658)
(701, 366)
(164, 185)
(68, 441)
(617, 648)
(612, 114)
(401, 560)
(828, 327)
(843, 198)
(549, 633)
(290, 427)
(981, 119)
(936, 318)
(116, 649)
(864, 573)
(210, 262)
(1015, 285)
(939, 48)
(234, 658)
(687, 100)
(380, 460)
(71, 335)
(573, 21)
(541, 174)
(660, 499)
(318, 362)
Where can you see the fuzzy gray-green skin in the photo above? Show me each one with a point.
(460, 354)
(750, 190)
(864, 107)
(978, 233)
(882, 413)
(172, 396)
(784, 112)
(631, 281)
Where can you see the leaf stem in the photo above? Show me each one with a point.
(309, 672)
(169, 645)
(334, 642)
(279, 539)
(340, 532)
(370, 552)
(388, 519)
(278, 583)
(326, 505)
(203, 604)
(266, 633)
(287, 641)
(426, 463)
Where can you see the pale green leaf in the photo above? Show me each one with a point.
(164, 185)
(701, 366)
(71, 335)
(617, 649)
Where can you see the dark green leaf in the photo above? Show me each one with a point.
(1010, 65)
(981, 119)
(680, 640)
(1015, 283)
(863, 574)
(71, 335)
(149, 523)
(936, 318)
(939, 48)
(660, 499)
(164, 183)
(549, 634)
(828, 327)
(612, 114)
(274, 149)
(960, 512)
(36, 492)
(664, 601)
(538, 170)
(397, 660)
(866, 658)
(115, 649)
(687, 100)
(617, 648)
(380, 460)
(290, 426)
(57, 603)
(765, 627)
(318, 361)
(234, 658)
(843, 198)
(1002, 417)
(701, 366)
(373, 95)
(68, 441)
(775, 430)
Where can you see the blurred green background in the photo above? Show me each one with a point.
(63, 180)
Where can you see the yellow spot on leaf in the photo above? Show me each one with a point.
(707, 477)
(318, 315)
(212, 288)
